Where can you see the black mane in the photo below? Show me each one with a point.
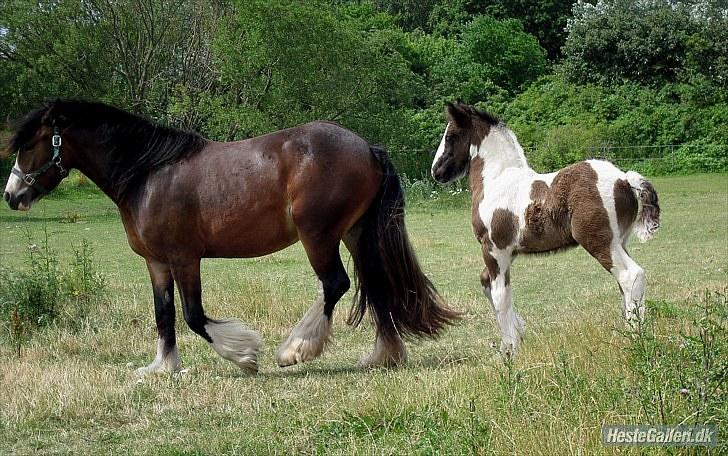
(135, 146)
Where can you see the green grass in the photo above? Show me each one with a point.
(75, 393)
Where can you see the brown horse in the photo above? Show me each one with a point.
(183, 198)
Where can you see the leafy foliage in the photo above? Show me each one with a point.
(565, 122)
(647, 41)
(629, 73)
(44, 292)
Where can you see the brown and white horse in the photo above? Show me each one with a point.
(183, 198)
(516, 210)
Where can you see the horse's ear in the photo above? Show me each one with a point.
(53, 117)
(458, 115)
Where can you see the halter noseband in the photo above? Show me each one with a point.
(30, 178)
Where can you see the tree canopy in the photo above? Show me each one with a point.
(564, 73)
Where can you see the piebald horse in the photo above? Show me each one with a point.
(183, 198)
(516, 210)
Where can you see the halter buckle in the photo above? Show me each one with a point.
(28, 179)
(56, 141)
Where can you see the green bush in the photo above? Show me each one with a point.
(45, 293)
(565, 122)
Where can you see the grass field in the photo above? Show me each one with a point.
(74, 391)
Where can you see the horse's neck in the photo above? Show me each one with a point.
(499, 150)
(97, 170)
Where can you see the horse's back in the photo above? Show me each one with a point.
(584, 201)
(253, 197)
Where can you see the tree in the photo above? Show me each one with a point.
(646, 41)
(132, 53)
(545, 19)
(285, 62)
(49, 49)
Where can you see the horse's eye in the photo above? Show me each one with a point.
(449, 139)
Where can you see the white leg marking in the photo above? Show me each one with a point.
(510, 323)
(385, 354)
(236, 343)
(631, 278)
(163, 363)
(309, 338)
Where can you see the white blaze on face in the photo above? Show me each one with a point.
(14, 183)
(440, 150)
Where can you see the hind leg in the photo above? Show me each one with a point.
(388, 351)
(604, 244)
(229, 338)
(310, 336)
(632, 281)
(167, 359)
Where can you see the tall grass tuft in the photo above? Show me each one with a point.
(44, 293)
(682, 378)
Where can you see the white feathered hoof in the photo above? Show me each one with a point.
(165, 363)
(236, 343)
(298, 349)
(385, 354)
(307, 340)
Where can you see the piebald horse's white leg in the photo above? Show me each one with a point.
(631, 279)
(510, 323)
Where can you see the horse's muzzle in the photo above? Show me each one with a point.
(21, 201)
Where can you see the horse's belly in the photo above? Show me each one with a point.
(545, 230)
(250, 234)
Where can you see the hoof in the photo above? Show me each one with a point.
(385, 354)
(298, 350)
(375, 362)
(508, 350)
(157, 368)
(164, 363)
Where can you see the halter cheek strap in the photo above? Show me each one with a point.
(30, 178)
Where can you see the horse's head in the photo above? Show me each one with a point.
(465, 131)
(41, 161)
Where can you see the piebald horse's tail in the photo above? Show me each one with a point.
(390, 282)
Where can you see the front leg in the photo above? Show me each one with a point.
(498, 265)
(229, 338)
(167, 359)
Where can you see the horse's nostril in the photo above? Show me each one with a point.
(6, 197)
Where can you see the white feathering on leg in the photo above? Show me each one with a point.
(309, 338)
(236, 343)
(163, 363)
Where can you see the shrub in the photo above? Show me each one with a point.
(43, 293)
(681, 378)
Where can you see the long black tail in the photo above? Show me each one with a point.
(390, 281)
